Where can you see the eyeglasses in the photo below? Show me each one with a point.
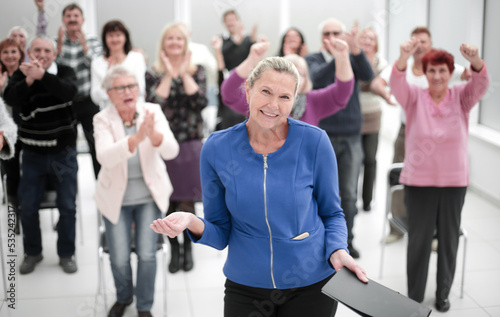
(121, 89)
(334, 33)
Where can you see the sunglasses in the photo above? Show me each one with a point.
(330, 33)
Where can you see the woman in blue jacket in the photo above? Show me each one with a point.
(270, 193)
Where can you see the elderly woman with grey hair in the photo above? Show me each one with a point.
(132, 140)
(8, 133)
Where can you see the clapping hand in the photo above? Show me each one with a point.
(351, 38)
(337, 47)
(470, 53)
(216, 43)
(166, 64)
(147, 127)
(184, 67)
(33, 70)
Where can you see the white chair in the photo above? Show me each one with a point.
(400, 224)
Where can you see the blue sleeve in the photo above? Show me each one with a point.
(326, 191)
(217, 217)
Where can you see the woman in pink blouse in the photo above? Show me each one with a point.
(311, 105)
(436, 168)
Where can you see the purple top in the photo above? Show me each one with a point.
(320, 103)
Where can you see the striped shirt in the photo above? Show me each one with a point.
(72, 55)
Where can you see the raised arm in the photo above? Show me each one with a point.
(257, 53)
(406, 49)
(378, 86)
(217, 46)
(470, 53)
(340, 51)
(475, 88)
(41, 26)
(231, 90)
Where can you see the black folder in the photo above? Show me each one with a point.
(371, 299)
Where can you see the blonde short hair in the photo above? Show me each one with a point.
(279, 64)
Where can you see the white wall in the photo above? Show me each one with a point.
(144, 22)
(24, 13)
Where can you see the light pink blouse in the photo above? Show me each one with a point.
(436, 152)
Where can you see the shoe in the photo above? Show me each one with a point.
(174, 265)
(352, 251)
(367, 207)
(187, 265)
(145, 314)
(391, 238)
(29, 263)
(118, 309)
(68, 264)
(442, 305)
(434, 245)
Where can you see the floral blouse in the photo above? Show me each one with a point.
(182, 111)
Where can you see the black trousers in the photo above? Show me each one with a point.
(84, 110)
(12, 168)
(246, 301)
(369, 142)
(432, 210)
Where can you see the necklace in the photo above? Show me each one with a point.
(131, 123)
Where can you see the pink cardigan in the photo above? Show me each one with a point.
(112, 153)
(436, 152)
(320, 103)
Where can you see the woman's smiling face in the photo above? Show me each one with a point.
(271, 99)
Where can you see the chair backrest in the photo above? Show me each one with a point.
(394, 173)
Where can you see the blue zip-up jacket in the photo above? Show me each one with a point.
(256, 205)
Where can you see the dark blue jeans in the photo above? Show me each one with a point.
(349, 155)
(60, 172)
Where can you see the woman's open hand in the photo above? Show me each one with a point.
(172, 225)
(341, 258)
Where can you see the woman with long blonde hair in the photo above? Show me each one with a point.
(179, 87)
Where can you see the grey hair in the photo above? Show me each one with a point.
(279, 64)
(20, 29)
(332, 20)
(115, 72)
(45, 38)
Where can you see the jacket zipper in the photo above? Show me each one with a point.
(267, 220)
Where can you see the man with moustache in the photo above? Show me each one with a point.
(76, 50)
(43, 92)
